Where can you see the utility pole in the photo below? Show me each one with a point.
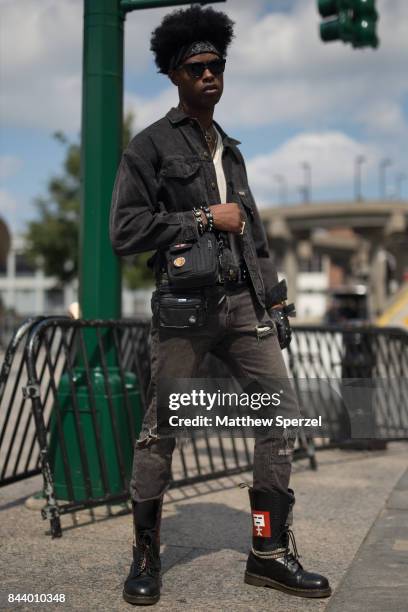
(399, 179)
(358, 196)
(308, 181)
(383, 165)
(282, 188)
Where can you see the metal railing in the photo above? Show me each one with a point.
(320, 356)
(66, 368)
(19, 452)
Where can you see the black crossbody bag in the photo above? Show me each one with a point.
(191, 267)
(193, 264)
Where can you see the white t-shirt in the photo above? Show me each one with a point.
(222, 188)
(219, 171)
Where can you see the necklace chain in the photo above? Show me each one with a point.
(211, 139)
(210, 134)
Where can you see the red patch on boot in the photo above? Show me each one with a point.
(261, 524)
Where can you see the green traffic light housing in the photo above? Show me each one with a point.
(354, 22)
(365, 22)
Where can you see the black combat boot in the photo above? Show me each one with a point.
(142, 586)
(270, 562)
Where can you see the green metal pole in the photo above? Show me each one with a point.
(102, 119)
(133, 5)
(106, 469)
(100, 282)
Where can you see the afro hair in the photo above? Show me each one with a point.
(184, 27)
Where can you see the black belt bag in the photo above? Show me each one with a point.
(193, 264)
(179, 310)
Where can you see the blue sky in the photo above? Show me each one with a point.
(288, 97)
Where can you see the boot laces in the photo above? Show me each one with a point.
(289, 555)
(146, 558)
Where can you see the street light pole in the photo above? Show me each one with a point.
(400, 178)
(308, 181)
(384, 164)
(131, 5)
(100, 282)
(282, 188)
(302, 193)
(358, 196)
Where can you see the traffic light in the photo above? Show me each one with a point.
(365, 21)
(354, 22)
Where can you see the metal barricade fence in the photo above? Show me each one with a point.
(19, 452)
(82, 446)
(69, 368)
(319, 356)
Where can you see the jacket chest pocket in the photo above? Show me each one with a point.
(180, 168)
(179, 182)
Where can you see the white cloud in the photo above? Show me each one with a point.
(15, 210)
(278, 69)
(41, 49)
(8, 203)
(331, 156)
(46, 35)
(138, 28)
(54, 103)
(383, 116)
(9, 166)
(146, 111)
(279, 76)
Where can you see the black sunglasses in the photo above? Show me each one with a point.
(196, 69)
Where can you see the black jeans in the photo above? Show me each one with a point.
(231, 333)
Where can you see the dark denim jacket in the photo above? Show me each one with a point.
(167, 170)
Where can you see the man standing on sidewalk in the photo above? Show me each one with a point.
(178, 179)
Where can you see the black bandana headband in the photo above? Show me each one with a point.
(202, 46)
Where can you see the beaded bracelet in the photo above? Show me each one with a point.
(198, 218)
(210, 218)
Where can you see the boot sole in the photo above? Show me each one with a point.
(263, 581)
(140, 600)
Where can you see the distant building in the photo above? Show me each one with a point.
(25, 290)
(318, 248)
(321, 248)
(313, 281)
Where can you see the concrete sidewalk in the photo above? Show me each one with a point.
(377, 580)
(206, 537)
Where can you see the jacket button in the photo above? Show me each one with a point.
(213, 185)
(205, 154)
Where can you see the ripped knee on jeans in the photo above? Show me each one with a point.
(147, 438)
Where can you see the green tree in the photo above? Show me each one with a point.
(52, 239)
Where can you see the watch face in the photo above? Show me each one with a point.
(179, 262)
